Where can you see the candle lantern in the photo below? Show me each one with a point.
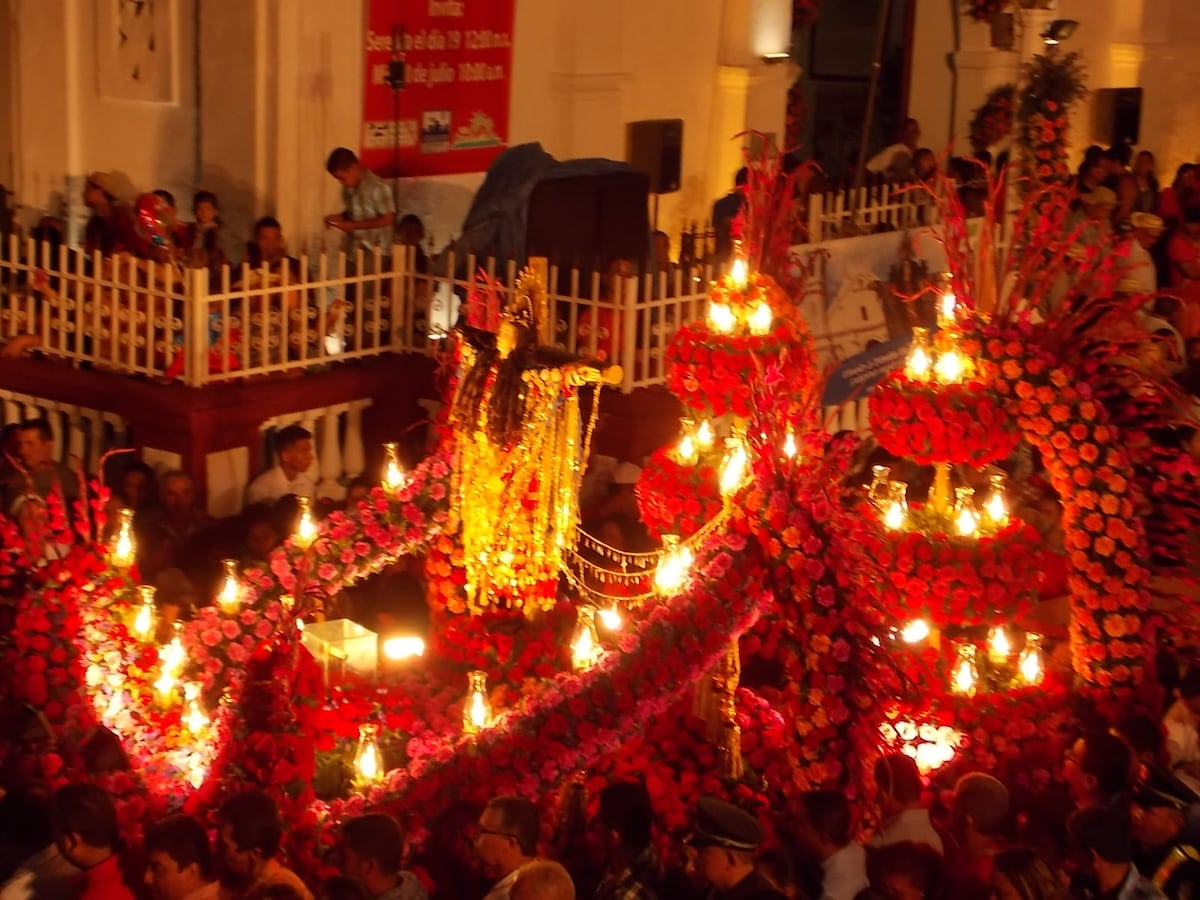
(704, 435)
(306, 527)
(995, 507)
(368, 761)
(1031, 665)
(999, 646)
(877, 493)
(122, 548)
(393, 473)
(789, 444)
(895, 507)
(737, 461)
(965, 677)
(966, 520)
(585, 643)
(920, 356)
(673, 566)
(477, 711)
(230, 597)
(144, 622)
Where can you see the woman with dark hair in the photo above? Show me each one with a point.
(202, 238)
(1173, 199)
(1020, 874)
(1147, 183)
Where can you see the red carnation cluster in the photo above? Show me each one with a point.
(960, 424)
(993, 121)
(676, 498)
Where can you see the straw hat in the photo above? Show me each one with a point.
(1143, 221)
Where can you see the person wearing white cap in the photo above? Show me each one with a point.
(1139, 275)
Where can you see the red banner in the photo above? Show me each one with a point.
(453, 109)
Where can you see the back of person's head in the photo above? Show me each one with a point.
(1191, 214)
(184, 840)
(1189, 685)
(292, 434)
(1030, 875)
(626, 809)
(1108, 760)
(376, 837)
(254, 822)
(897, 776)
(543, 880)
(742, 177)
(919, 864)
(340, 160)
(205, 197)
(103, 753)
(86, 812)
(519, 817)
(828, 812)
(984, 801)
(267, 222)
(27, 818)
(342, 887)
(1105, 831)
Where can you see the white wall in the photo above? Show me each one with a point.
(8, 91)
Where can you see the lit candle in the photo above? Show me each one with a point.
(674, 565)
(915, 631)
(995, 507)
(920, 360)
(585, 644)
(966, 520)
(720, 317)
(733, 471)
(165, 685)
(761, 319)
(477, 711)
(230, 597)
(878, 491)
(965, 675)
(1030, 664)
(368, 761)
(895, 511)
(950, 367)
(393, 473)
(999, 645)
(610, 617)
(306, 528)
(704, 435)
(123, 550)
(739, 272)
(948, 308)
(143, 623)
(173, 656)
(789, 444)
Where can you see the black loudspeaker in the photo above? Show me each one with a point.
(655, 146)
(1118, 115)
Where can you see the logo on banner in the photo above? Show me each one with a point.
(479, 132)
(435, 131)
(858, 374)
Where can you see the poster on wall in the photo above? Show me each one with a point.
(453, 108)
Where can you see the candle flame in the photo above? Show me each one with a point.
(761, 319)
(915, 631)
(789, 445)
(739, 273)
(720, 317)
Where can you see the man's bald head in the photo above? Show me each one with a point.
(543, 880)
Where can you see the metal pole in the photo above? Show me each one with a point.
(868, 118)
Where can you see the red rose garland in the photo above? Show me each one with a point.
(677, 498)
(960, 424)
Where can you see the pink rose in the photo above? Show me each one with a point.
(211, 637)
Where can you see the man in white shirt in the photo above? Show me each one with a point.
(506, 841)
(294, 447)
(904, 818)
(896, 160)
(824, 829)
(1139, 275)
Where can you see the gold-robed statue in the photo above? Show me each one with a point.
(519, 454)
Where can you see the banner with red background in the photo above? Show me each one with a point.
(453, 110)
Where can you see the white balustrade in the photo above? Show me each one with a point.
(81, 436)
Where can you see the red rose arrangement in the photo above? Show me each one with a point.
(677, 498)
(960, 424)
(949, 580)
(713, 373)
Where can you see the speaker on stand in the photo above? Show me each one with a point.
(655, 146)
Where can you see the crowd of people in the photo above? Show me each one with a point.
(1124, 828)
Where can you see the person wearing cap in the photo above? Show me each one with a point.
(1139, 275)
(110, 228)
(1165, 852)
(721, 852)
(1102, 840)
(824, 830)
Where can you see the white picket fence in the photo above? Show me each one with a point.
(166, 322)
(849, 212)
